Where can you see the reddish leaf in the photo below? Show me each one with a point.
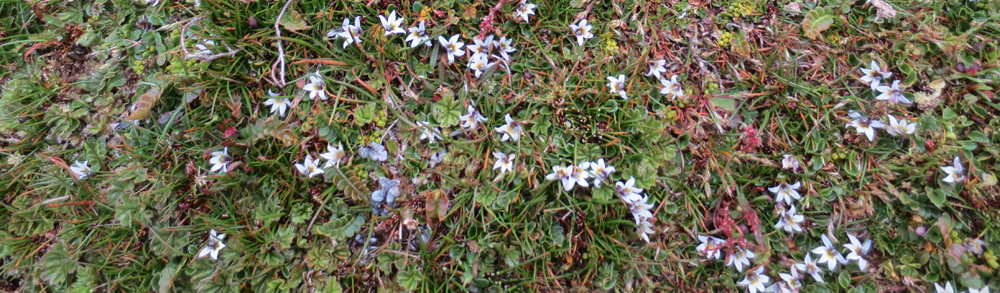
(229, 132)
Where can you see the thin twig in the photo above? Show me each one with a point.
(281, 49)
(202, 56)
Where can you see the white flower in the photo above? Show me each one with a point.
(864, 125)
(627, 192)
(874, 75)
(710, 246)
(900, 127)
(277, 103)
(351, 33)
(946, 289)
(955, 171)
(504, 162)
(656, 68)
(600, 172)
(786, 192)
(789, 283)
(858, 250)
(672, 87)
(333, 155)
(219, 160)
(203, 46)
(511, 130)
(80, 170)
(311, 167)
(789, 221)
(828, 254)
(316, 87)
(809, 266)
(564, 175)
(582, 31)
(472, 119)
(392, 25)
(374, 151)
(789, 162)
(617, 86)
(453, 47)
(985, 289)
(427, 132)
(641, 210)
(524, 10)
(418, 35)
(505, 48)
(645, 228)
(755, 280)
(892, 94)
(580, 174)
(479, 64)
(214, 245)
(740, 257)
(481, 48)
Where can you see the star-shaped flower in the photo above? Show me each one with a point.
(617, 86)
(481, 48)
(214, 245)
(786, 192)
(479, 64)
(582, 30)
(564, 175)
(392, 25)
(809, 266)
(333, 155)
(351, 33)
(656, 68)
(858, 251)
(310, 167)
(472, 119)
(828, 254)
(985, 289)
(645, 228)
(710, 246)
(789, 162)
(627, 191)
(671, 87)
(789, 221)
(946, 289)
(511, 130)
(755, 280)
(864, 125)
(524, 10)
(892, 94)
(316, 87)
(278, 104)
(900, 127)
(504, 162)
(428, 132)
(219, 160)
(740, 257)
(955, 171)
(453, 47)
(641, 210)
(418, 35)
(581, 173)
(874, 75)
(505, 48)
(600, 172)
(80, 170)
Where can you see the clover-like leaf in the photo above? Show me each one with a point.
(817, 21)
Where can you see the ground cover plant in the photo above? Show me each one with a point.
(471, 146)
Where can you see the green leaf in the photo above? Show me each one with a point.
(844, 279)
(937, 197)
(447, 111)
(166, 277)
(410, 278)
(57, 264)
(817, 21)
(342, 228)
(293, 21)
(979, 136)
